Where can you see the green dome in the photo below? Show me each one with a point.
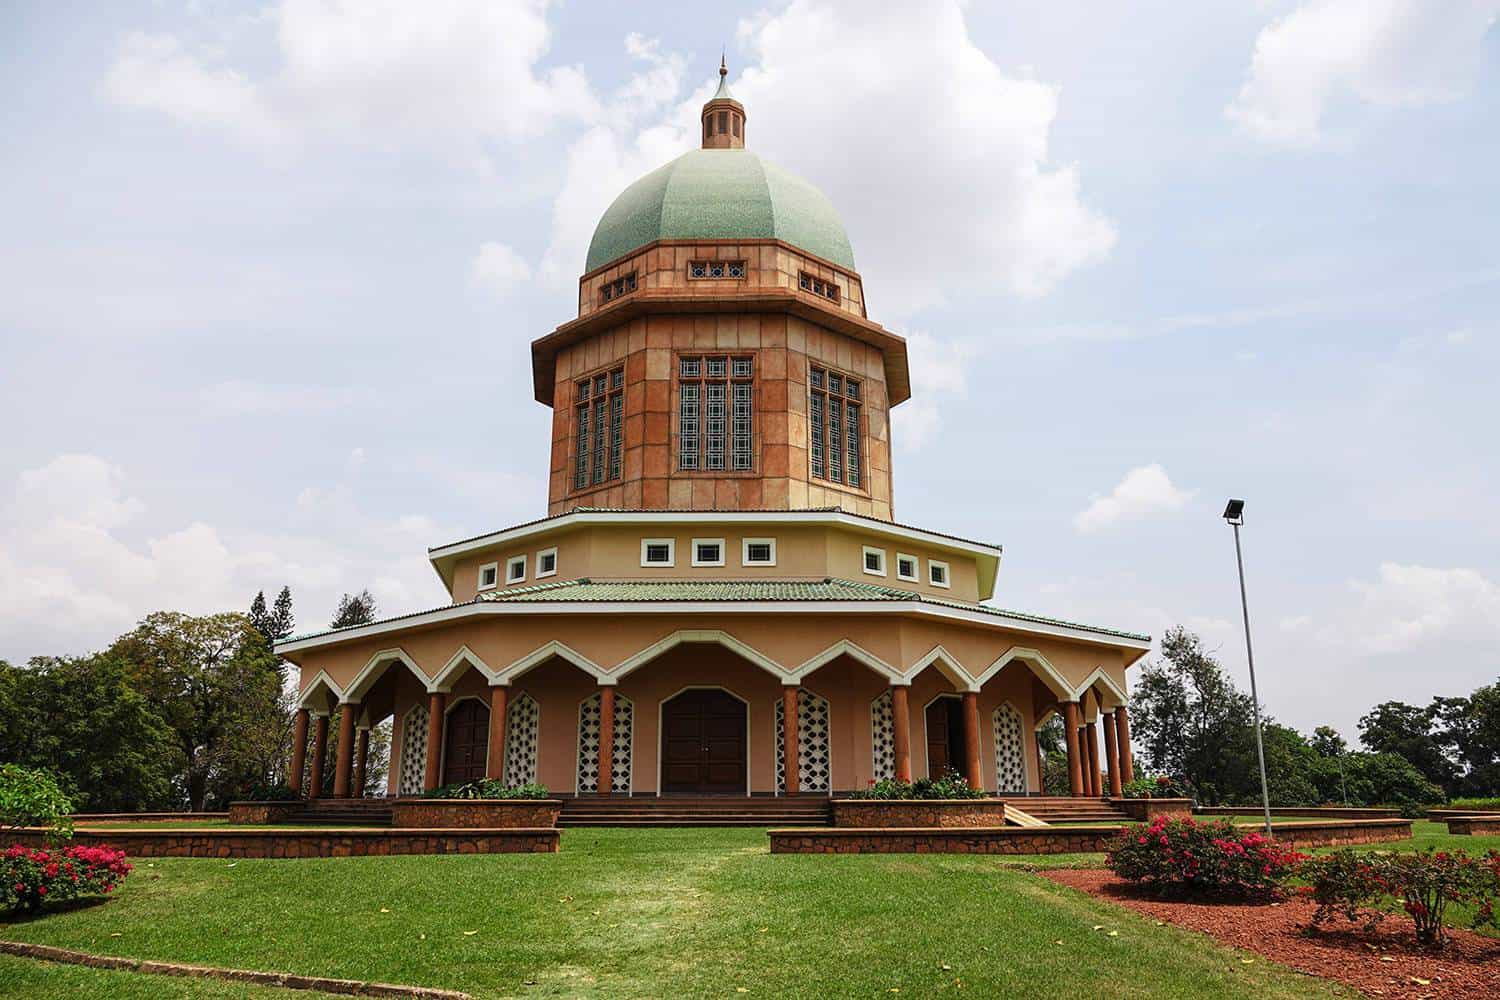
(721, 194)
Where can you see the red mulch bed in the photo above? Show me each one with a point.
(1386, 964)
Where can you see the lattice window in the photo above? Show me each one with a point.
(597, 418)
(413, 752)
(818, 286)
(716, 269)
(814, 769)
(715, 412)
(611, 290)
(1010, 750)
(588, 744)
(836, 435)
(522, 726)
(882, 738)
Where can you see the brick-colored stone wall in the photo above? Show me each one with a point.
(331, 843)
(942, 813)
(782, 347)
(490, 814)
(976, 840)
(1310, 812)
(1146, 810)
(255, 813)
(1341, 832)
(1443, 815)
(1474, 825)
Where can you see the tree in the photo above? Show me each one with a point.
(1469, 729)
(1192, 723)
(216, 685)
(80, 719)
(1327, 742)
(354, 609)
(1398, 728)
(277, 623)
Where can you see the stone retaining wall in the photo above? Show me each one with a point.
(488, 814)
(912, 813)
(927, 840)
(1048, 840)
(260, 813)
(1481, 823)
(144, 817)
(1146, 810)
(1310, 812)
(328, 843)
(1444, 815)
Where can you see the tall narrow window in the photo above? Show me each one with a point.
(715, 413)
(836, 437)
(598, 417)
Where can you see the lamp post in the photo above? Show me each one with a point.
(1234, 513)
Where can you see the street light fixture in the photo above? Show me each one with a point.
(1234, 513)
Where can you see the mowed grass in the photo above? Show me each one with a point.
(21, 977)
(649, 913)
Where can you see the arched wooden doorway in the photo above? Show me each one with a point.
(704, 743)
(945, 735)
(467, 743)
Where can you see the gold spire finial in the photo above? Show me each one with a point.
(723, 68)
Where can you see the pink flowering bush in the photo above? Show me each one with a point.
(30, 877)
(1353, 885)
(1184, 857)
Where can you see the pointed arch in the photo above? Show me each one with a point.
(541, 655)
(323, 685)
(845, 647)
(947, 665)
(464, 657)
(375, 668)
(1040, 666)
(717, 636)
(1108, 692)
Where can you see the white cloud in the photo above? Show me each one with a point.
(1144, 491)
(1409, 605)
(498, 268)
(77, 569)
(382, 71)
(939, 372)
(911, 116)
(1387, 53)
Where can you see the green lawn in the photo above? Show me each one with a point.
(20, 977)
(632, 913)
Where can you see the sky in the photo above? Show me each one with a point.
(269, 273)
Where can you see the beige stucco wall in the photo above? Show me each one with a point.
(613, 552)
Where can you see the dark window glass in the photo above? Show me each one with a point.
(598, 419)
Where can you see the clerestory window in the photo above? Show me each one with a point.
(715, 412)
(597, 432)
(835, 434)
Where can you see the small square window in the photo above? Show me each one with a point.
(906, 567)
(708, 552)
(715, 367)
(759, 552)
(546, 563)
(515, 569)
(489, 575)
(658, 551)
(937, 573)
(874, 561)
(743, 368)
(691, 367)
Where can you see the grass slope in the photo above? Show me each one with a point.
(630, 913)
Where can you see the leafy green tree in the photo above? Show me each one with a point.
(80, 719)
(30, 797)
(1471, 728)
(354, 609)
(1327, 742)
(1399, 728)
(216, 685)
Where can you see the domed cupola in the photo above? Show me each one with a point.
(723, 116)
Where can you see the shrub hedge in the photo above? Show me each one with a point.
(1184, 857)
(31, 877)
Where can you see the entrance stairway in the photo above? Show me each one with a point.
(1056, 810)
(347, 812)
(667, 811)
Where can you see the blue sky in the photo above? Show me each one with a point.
(270, 273)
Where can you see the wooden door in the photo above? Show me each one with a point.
(703, 744)
(945, 737)
(467, 743)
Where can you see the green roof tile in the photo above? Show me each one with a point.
(721, 194)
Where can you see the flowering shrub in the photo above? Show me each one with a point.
(30, 877)
(1423, 883)
(488, 788)
(951, 785)
(1183, 856)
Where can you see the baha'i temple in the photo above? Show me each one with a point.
(720, 600)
